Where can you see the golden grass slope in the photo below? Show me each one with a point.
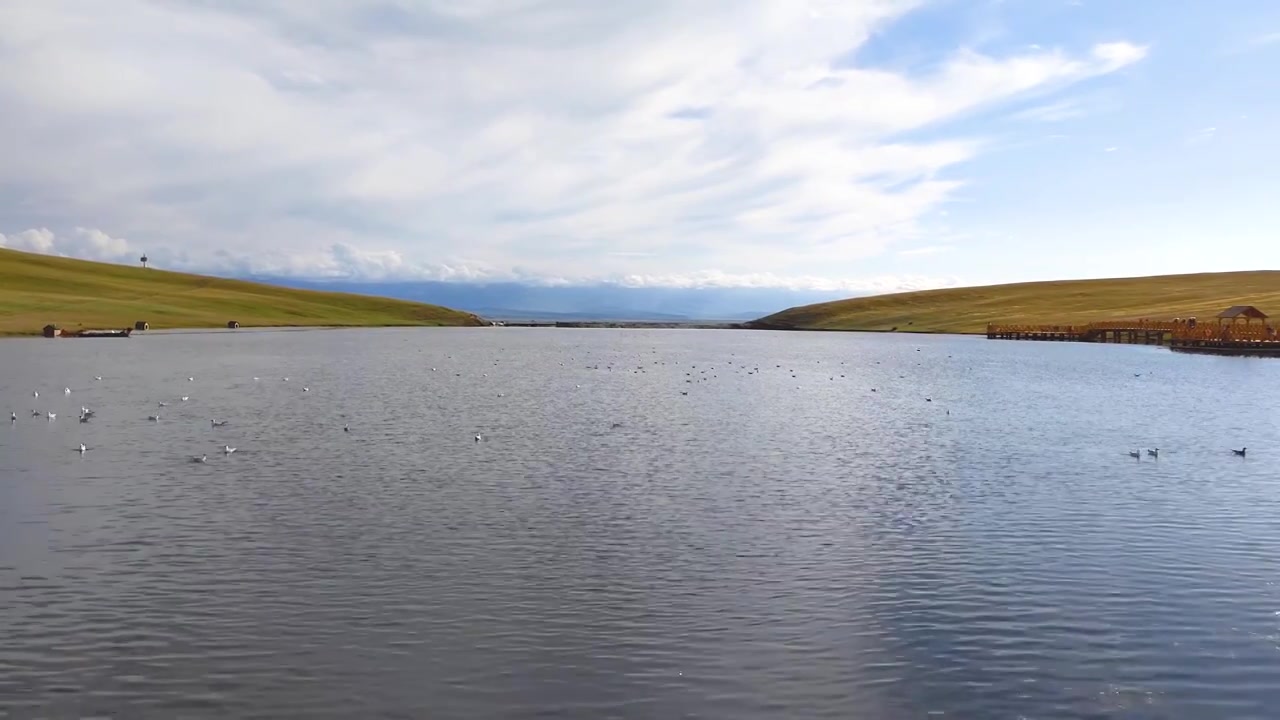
(968, 310)
(36, 290)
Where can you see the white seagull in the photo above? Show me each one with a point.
(191, 379)
(35, 413)
(84, 418)
(51, 416)
(162, 404)
(201, 459)
(185, 398)
(35, 393)
(153, 418)
(66, 391)
(13, 417)
(82, 448)
(227, 449)
(478, 438)
(218, 423)
(306, 389)
(97, 377)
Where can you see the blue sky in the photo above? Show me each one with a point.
(853, 145)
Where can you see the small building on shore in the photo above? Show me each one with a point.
(141, 325)
(1237, 313)
(52, 331)
(233, 325)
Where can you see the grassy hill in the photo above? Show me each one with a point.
(968, 310)
(36, 290)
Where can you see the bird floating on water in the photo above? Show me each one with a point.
(478, 437)
(191, 379)
(218, 423)
(66, 391)
(227, 449)
(97, 377)
(153, 418)
(82, 448)
(346, 428)
(201, 459)
(35, 413)
(306, 389)
(162, 404)
(1154, 453)
(1239, 452)
(13, 417)
(35, 393)
(1135, 454)
(186, 398)
(84, 418)
(52, 416)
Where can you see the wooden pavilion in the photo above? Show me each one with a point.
(1236, 313)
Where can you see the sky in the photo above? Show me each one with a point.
(851, 145)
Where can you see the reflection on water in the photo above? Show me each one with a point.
(825, 525)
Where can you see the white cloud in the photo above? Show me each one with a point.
(449, 139)
(1052, 112)
(37, 240)
(1116, 55)
(84, 243)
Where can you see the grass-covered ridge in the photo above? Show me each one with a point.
(36, 290)
(968, 310)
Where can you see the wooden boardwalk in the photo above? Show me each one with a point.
(1228, 340)
(1235, 339)
(1142, 332)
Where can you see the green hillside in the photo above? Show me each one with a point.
(968, 310)
(36, 290)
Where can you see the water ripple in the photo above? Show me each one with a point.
(766, 546)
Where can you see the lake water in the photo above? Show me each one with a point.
(867, 526)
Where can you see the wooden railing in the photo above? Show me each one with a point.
(1166, 325)
(1227, 333)
(1178, 330)
(1071, 329)
(1105, 325)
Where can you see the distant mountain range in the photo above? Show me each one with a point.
(516, 301)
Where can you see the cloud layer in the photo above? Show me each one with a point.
(572, 140)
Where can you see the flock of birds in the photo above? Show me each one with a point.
(86, 415)
(1155, 453)
(705, 374)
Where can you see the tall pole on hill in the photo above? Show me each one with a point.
(144, 260)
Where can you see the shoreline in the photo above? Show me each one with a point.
(210, 330)
(532, 324)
